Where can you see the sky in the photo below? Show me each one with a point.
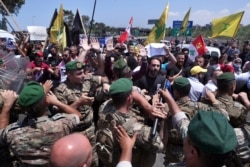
(117, 13)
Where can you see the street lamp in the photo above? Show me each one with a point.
(33, 20)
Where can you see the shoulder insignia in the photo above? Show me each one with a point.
(238, 105)
(12, 127)
(61, 87)
(58, 116)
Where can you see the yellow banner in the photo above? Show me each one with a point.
(226, 26)
(158, 32)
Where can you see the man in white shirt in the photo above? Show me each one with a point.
(212, 83)
(197, 73)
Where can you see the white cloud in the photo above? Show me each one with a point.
(173, 14)
(203, 17)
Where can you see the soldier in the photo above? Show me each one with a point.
(30, 140)
(107, 147)
(140, 97)
(236, 111)
(217, 143)
(78, 91)
(174, 144)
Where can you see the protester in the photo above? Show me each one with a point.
(71, 150)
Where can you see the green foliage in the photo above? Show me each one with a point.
(12, 5)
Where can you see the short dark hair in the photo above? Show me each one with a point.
(184, 50)
(153, 58)
(37, 110)
(67, 49)
(224, 87)
(215, 160)
(184, 90)
(119, 99)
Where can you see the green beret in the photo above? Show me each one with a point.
(122, 85)
(227, 76)
(211, 132)
(1, 61)
(74, 65)
(120, 64)
(31, 94)
(180, 82)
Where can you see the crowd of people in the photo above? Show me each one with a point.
(117, 106)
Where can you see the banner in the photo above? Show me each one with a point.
(226, 26)
(185, 21)
(158, 32)
(37, 33)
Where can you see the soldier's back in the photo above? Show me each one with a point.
(31, 142)
(108, 149)
(237, 113)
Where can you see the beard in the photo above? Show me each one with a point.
(154, 73)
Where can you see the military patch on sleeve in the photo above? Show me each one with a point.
(58, 116)
(237, 105)
(61, 87)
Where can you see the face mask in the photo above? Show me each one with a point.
(237, 67)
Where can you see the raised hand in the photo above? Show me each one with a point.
(47, 86)
(142, 50)
(95, 44)
(126, 143)
(109, 44)
(8, 97)
(84, 44)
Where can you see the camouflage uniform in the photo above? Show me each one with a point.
(32, 145)
(242, 135)
(237, 112)
(174, 147)
(67, 94)
(144, 152)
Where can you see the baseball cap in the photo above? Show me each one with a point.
(197, 69)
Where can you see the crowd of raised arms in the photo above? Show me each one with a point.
(118, 105)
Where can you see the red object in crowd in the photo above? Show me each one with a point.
(200, 46)
(124, 36)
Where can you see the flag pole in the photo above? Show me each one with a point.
(91, 22)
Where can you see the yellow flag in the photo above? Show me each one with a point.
(226, 26)
(158, 31)
(57, 29)
(185, 21)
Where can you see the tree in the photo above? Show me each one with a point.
(86, 21)
(13, 7)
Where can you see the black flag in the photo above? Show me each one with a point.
(77, 28)
(52, 20)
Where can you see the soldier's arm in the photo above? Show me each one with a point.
(242, 96)
(52, 100)
(82, 100)
(179, 118)
(211, 96)
(8, 97)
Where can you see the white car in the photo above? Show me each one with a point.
(168, 43)
(212, 50)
